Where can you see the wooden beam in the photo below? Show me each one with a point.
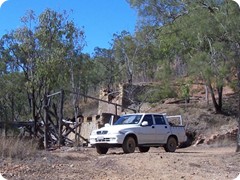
(97, 99)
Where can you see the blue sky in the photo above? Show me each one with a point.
(100, 18)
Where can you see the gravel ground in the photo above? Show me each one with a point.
(200, 163)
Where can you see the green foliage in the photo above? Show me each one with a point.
(234, 85)
(185, 91)
(136, 55)
(45, 54)
(158, 93)
(106, 67)
(38, 53)
(203, 35)
(13, 101)
(157, 12)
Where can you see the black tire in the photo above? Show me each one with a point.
(101, 149)
(171, 145)
(129, 145)
(143, 149)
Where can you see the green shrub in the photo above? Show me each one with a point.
(234, 85)
(157, 94)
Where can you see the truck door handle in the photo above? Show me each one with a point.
(166, 127)
(153, 126)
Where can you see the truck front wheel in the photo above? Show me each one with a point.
(129, 145)
(171, 145)
(101, 149)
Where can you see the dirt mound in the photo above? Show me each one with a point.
(225, 139)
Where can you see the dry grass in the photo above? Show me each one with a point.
(16, 148)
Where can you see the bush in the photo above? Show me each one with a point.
(12, 147)
(158, 93)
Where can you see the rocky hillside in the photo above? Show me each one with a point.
(202, 123)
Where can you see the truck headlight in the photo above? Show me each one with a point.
(94, 132)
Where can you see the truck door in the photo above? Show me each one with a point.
(147, 133)
(162, 129)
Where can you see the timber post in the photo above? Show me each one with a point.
(60, 119)
(45, 107)
(116, 110)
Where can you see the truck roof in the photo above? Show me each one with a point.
(144, 114)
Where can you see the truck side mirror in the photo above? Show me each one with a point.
(144, 123)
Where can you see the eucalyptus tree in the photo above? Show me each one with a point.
(13, 104)
(126, 49)
(16, 63)
(210, 43)
(153, 15)
(232, 29)
(196, 33)
(158, 12)
(207, 38)
(194, 39)
(108, 67)
(60, 44)
(148, 55)
(204, 34)
(40, 50)
(90, 76)
(134, 55)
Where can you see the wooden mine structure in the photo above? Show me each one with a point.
(53, 134)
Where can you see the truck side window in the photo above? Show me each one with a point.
(149, 119)
(159, 119)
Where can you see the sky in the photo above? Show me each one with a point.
(100, 18)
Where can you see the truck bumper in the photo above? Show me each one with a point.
(107, 139)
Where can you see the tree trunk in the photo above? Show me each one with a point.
(77, 138)
(45, 123)
(75, 103)
(218, 107)
(220, 92)
(12, 107)
(33, 105)
(5, 129)
(238, 135)
(206, 94)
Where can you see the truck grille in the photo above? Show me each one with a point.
(103, 140)
(102, 132)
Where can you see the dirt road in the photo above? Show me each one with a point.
(186, 164)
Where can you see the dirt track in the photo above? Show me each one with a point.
(189, 163)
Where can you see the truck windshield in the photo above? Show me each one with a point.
(128, 119)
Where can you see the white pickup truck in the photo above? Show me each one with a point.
(142, 130)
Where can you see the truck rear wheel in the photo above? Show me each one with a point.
(171, 145)
(101, 149)
(143, 149)
(129, 145)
